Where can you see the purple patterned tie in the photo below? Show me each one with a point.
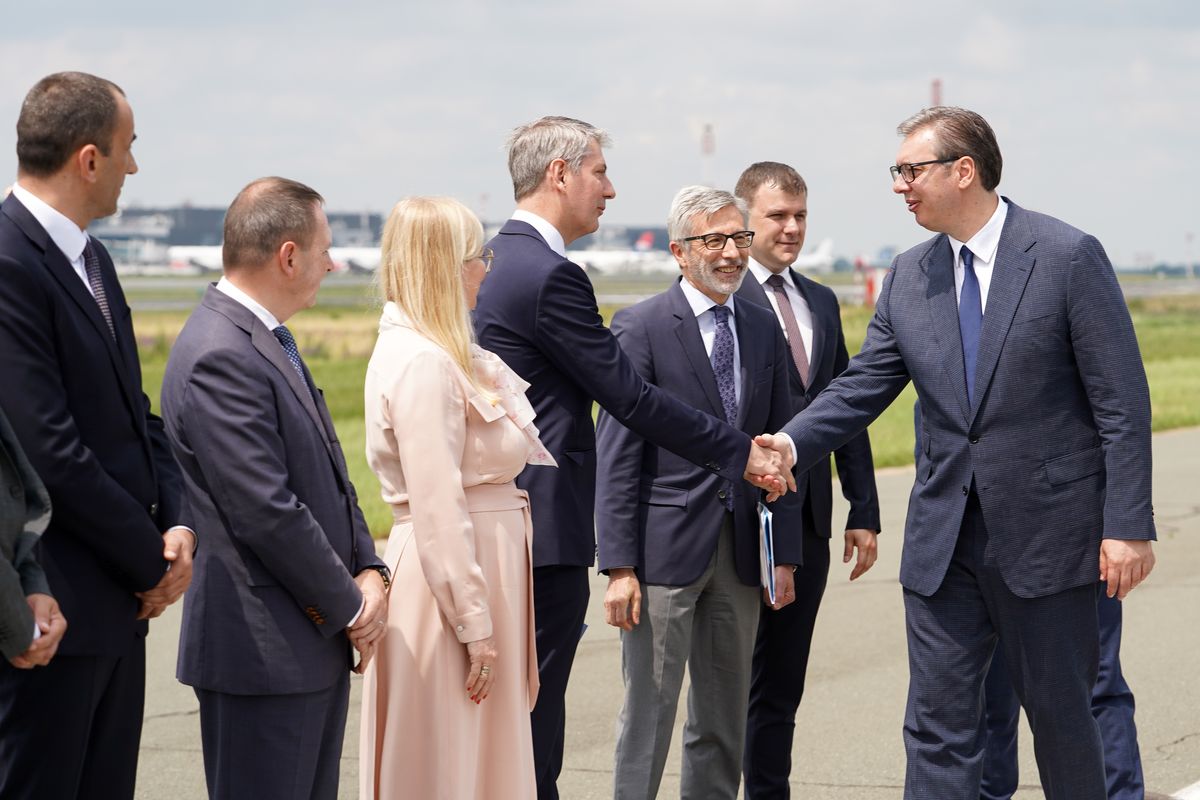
(722, 364)
(91, 265)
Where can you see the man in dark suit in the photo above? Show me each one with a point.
(538, 312)
(31, 624)
(71, 384)
(1033, 475)
(680, 544)
(809, 315)
(288, 578)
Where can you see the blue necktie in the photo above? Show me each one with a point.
(970, 320)
(722, 364)
(293, 353)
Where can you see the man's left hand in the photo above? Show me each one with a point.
(371, 625)
(867, 544)
(178, 544)
(1124, 563)
(51, 623)
(785, 587)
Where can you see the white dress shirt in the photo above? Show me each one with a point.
(804, 315)
(547, 231)
(226, 287)
(983, 246)
(701, 305)
(65, 234)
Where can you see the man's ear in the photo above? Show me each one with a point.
(285, 259)
(557, 172)
(680, 256)
(85, 162)
(966, 171)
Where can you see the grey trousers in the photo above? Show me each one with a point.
(709, 627)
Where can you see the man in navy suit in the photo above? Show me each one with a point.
(1033, 469)
(680, 544)
(810, 318)
(538, 312)
(288, 579)
(70, 382)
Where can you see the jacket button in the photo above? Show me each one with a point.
(721, 494)
(973, 439)
(458, 628)
(966, 490)
(15, 490)
(153, 509)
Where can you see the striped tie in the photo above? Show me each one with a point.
(91, 265)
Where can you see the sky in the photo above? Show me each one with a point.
(1095, 103)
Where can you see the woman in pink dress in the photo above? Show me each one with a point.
(446, 700)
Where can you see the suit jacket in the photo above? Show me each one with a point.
(537, 311)
(660, 513)
(266, 483)
(856, 468)
(24, 514)
(1057, 442)
(74, 395)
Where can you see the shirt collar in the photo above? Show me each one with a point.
(65, 234)
(761, 273)
(547, 231)
(699, 301)
(986, 240)
(226, 287)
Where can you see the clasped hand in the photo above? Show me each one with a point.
(770, 465)
(52, 625)
(368, 630)
(178, 544)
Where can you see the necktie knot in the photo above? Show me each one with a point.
(776, 282)
(968, 258)
(722, 314)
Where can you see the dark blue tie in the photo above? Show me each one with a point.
(722, 364)
(970, 320)
(293, 353)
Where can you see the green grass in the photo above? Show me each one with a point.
(337, 342)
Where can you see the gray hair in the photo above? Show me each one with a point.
(264, 215)
(692, 201)
(532, 146)
(960, 133)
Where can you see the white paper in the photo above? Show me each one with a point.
(766, 551)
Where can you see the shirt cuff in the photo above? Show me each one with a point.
(792, 445)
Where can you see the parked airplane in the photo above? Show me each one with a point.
(820, 260)
(191, 258)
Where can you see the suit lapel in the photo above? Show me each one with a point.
(1011, 272)
(938, 264)
(687, 329)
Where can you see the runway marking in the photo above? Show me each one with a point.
(1189, 793)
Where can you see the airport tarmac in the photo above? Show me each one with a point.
(848, 744)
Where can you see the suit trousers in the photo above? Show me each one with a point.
(1112, 706)
(72, 729)
(560, 600)
(709, 628)
(777, 680)
(278, 746)
(1051, 647)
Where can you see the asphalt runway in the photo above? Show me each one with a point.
(848, 744)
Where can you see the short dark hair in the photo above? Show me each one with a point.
(62, 113)
(781, 176)
(264, 215)
(960, 133)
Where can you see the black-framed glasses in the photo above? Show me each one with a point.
(716, 241)
(487, 256)
(909, 171)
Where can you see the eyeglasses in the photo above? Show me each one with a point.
(487, 256)
(909, 171)
(716, 241)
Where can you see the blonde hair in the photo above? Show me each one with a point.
(426, 240)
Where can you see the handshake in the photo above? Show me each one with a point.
(769, 467)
